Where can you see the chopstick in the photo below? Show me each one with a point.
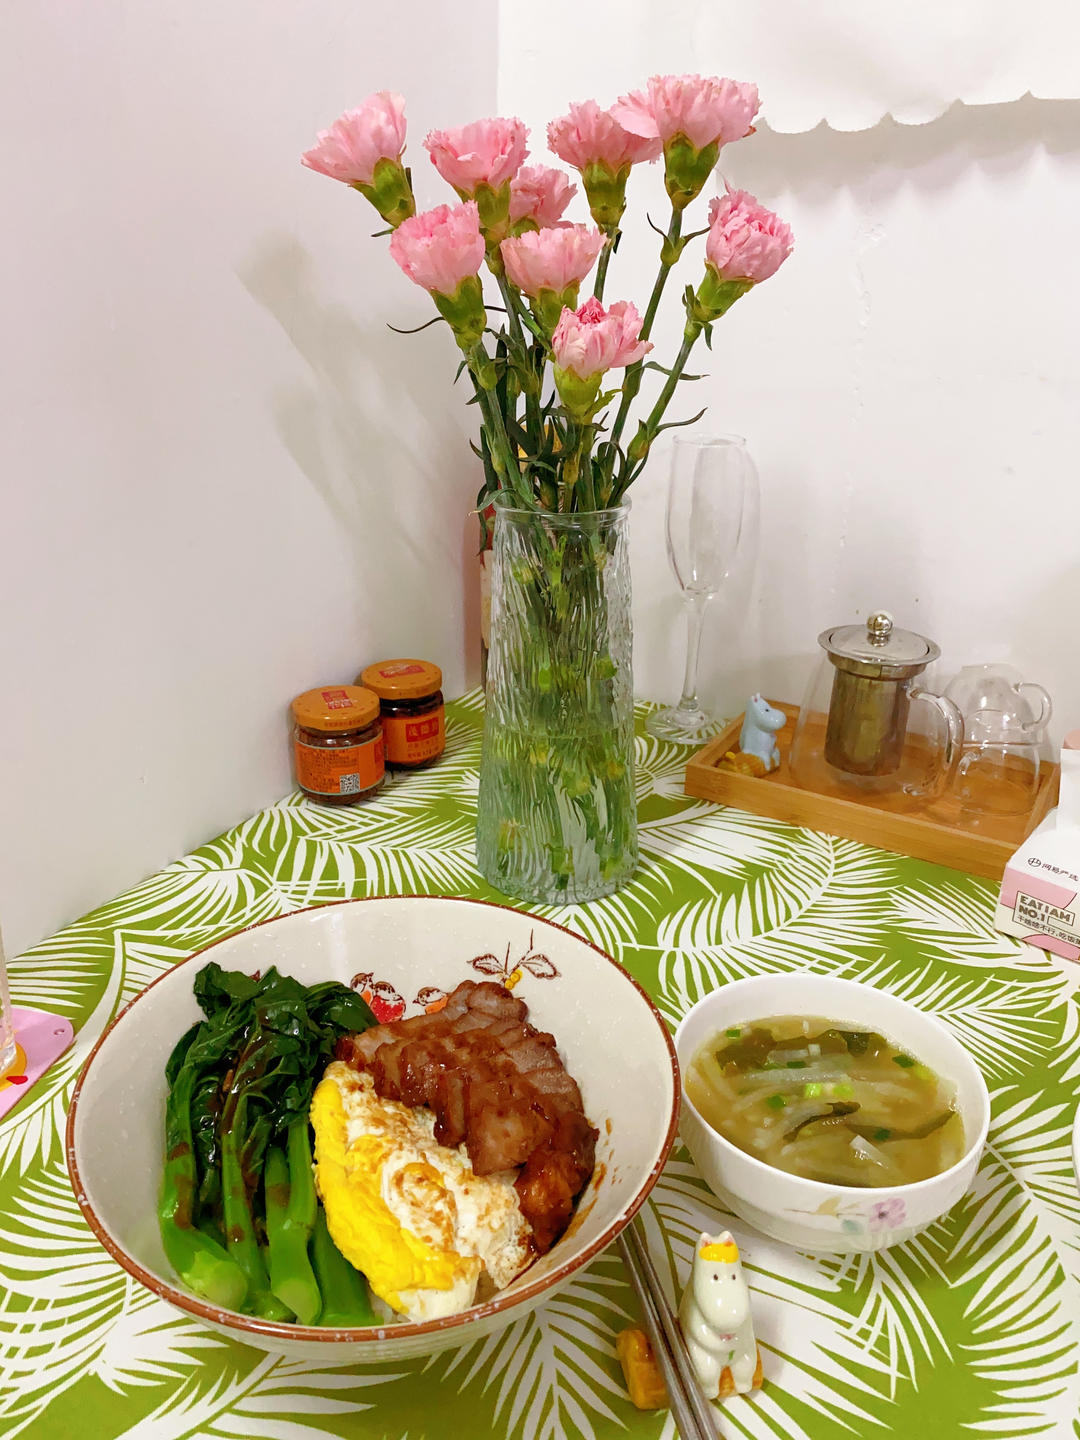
(693, 1414)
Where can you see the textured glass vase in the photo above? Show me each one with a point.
(557, 820)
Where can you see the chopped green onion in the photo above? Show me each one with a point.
(811, 1090)
(904, 1061)
(734, 1033)
(842, 1090)
(882, 1134)
(796, 1064)
(775, 1102)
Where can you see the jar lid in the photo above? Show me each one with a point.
(401, 679)
(336, 708)
(878, 648)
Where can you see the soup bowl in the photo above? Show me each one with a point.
(812, 1215)
(404, 954)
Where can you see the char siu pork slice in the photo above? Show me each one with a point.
(496, 1085)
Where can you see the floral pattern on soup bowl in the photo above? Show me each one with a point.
(809, 1214)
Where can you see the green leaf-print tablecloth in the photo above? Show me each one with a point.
(971, 1329)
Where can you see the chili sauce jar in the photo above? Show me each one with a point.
(413, 713)
(337, 744)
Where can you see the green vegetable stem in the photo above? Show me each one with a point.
(201, 1263)
(240, 1234)
(346, 1302)
(291, 1206)
(241, 1081)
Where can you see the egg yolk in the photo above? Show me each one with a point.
(350, 1180)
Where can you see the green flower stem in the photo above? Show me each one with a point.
(577, 467)
(513, 303)
(648, 429)
(557, 814)
(669, 254)
(602, 265)
(632, 383)
(503, 457)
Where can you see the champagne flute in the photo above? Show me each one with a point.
(712, 492)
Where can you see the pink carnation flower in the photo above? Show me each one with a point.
(440, 248)
(540, 193)
(359, 139)
(704, 109)
(745, 241)
(551, 259)
(487, 152)
(589, 134)
(592, 339)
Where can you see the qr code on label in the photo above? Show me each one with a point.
(349, 785)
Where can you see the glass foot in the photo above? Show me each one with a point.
(684, 727)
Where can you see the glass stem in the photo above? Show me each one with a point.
(695, 618)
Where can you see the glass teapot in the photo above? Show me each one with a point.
(866, 725)
(1005, 719)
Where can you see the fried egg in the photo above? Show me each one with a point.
(405, 1210)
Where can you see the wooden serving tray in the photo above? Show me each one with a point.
(934, 831)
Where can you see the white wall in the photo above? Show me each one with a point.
(907, 382)
(224, 480)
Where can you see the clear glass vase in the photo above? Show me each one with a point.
(557, 819)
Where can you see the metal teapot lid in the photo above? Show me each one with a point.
(876, 648)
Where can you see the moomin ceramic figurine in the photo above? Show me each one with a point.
(716, 1321)
(758, 734)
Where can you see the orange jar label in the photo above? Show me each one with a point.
(410, 742)
(341, 769)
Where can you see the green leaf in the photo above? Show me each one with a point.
(416, 329)
(664, 370)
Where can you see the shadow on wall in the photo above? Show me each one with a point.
(376, 428)
(1047, 634)
(999, 138)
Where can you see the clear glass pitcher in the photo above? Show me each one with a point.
(1018, 706)
(998, 773)
(1005, 719)
(867, 725)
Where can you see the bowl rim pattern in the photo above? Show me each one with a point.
(233, 1320)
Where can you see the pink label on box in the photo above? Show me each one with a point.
(1060, 947)
(1015, 880)
(40, 1039)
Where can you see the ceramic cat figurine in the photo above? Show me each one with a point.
(716, 1322)
(758, 733)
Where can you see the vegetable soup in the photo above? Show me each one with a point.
(843, 1106)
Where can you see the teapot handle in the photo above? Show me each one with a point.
(950, 751)
(1046, 707)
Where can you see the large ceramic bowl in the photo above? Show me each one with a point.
(832, 1219)
(403, 953)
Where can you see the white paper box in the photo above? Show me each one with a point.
(1040, 890)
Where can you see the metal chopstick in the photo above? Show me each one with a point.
(692, 1412)
(704, 1415)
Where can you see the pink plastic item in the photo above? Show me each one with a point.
(40, 1038)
